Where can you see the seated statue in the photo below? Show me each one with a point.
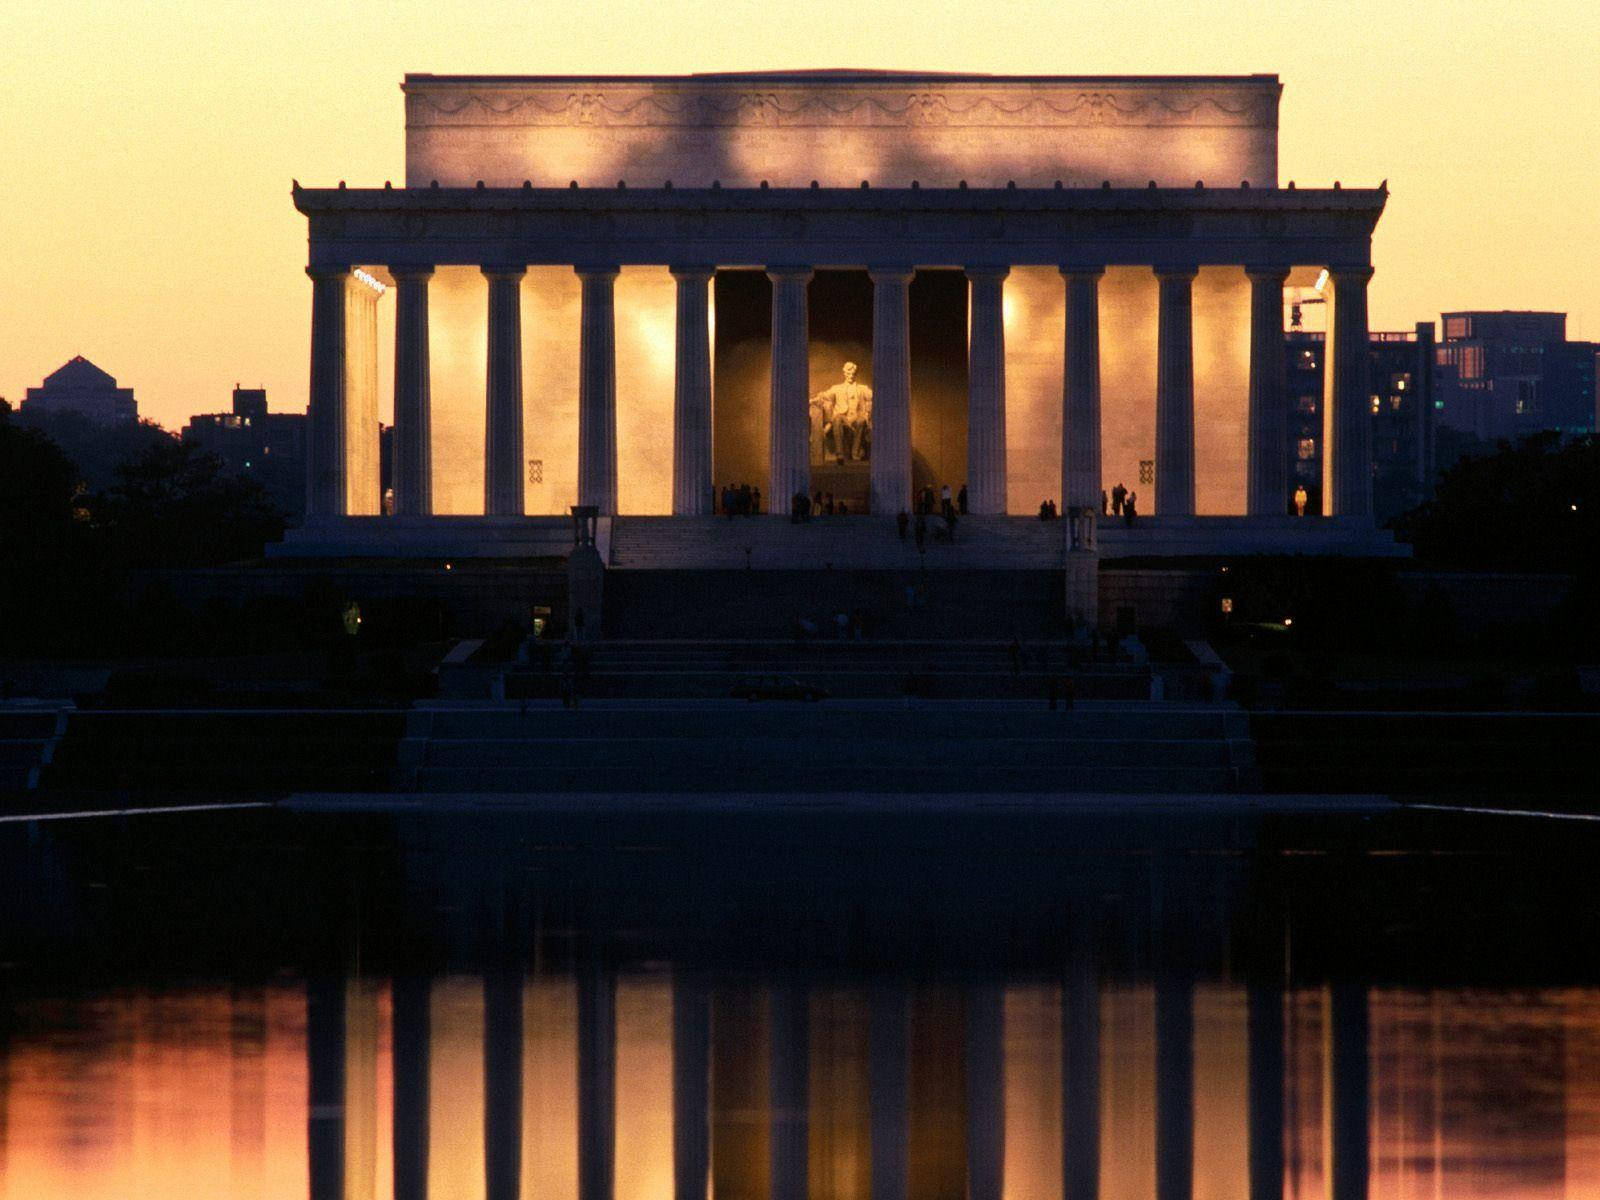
(846, 410)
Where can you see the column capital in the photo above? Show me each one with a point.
(1082, 270)
(1182, 272)
(596, 270)
(410, 271)
(692, 274)
(790, 274)
(891, 274)
(1266, 273)
(504, 270)
(1350, 271)
(986, 272)
(321, 272)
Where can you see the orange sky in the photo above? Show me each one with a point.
(146, 149)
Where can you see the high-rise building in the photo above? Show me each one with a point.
(78, 386)
(270, 447)
(1514, 373)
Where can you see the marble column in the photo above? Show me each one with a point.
(597, 1082)
(691, 395)
(412, 1025)
(325, 1052)
(1174, 1086)
(502, 444)
(891, 390)
(1267, 492)
(597, 390)
(1174, 393)
(1347, 398)
(326, 492)
(412, 473)
(986, 390)
(789, 1093)
(1080, 415)
(790, 433)
(1080, 1079)
(986, 1092)
(889, 1085)
(502, 1083)
(1345, 1091)
(1266, 1069)
(691, 1087)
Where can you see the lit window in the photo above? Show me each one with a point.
(1377, 403)
(1306, 448)
(1394, 402)
(1227, 605)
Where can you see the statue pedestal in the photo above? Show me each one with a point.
(848, 481)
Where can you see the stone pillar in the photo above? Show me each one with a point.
(1347, 398)
(986, 1092)
(986, 390)
(691, 395)
(326, 492)
(412, 1021)
(788, 1089)
(325, 1052)
(1266, 1066)
(889, 1084)
(1174, 1086)
(790, 436)
(502, 444)
(412, 473)
(891, 390)
(1267, 493)
(1175, 393)
(691, 1086)
(597, 391)
(1080, 416)
(502, 1083)
(1080, 1079)
(1345, 1091)
(597, 1082)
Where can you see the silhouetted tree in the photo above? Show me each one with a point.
(174, 506)
(96, 449)
(38, 494)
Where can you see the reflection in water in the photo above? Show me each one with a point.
(203, 1092)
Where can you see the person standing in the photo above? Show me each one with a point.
(1129, 507)
(946, 505)
(961, 500)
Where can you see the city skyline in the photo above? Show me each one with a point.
(152, 230)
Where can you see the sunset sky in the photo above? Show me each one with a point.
(146, 149)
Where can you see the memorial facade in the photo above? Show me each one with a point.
(568, 256)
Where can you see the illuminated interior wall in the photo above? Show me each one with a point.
(938, 309)
(1035, 324)
(551, 313)
(1128, 303)
(1032, 1059)
(937, 1151)
(741, 1163)
(1221, 390)
(458, 314)
(363, 1137)
(646, 324)
(455, 1089)
(1221, 1093)
(362, 497)
(643, 1164)
(741, 357)
(839, 1149)
(1128, 1093)
(550, 1088)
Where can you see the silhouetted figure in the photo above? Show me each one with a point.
(961, 500)
(755, 501)
(1119, 497)
(1130, 507)
(926, 506)
(832, 507)
(946, 504)
(901, 522)
(1044, 510)
(1105, 502)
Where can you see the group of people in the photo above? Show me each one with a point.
(740, 500)
(1120, 502)
(803, 507)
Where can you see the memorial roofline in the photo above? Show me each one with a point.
(844, 75)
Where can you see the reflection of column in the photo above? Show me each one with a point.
(1080, 1080)
(325, 1051)
(691, 397)
(787, 1072)
(597, 390)
(1345, 1091)
(412, 472)
(1080, 417)
(986, 1092)
(691, 1087)
(1347, 411)
(502, 446)
(1174, 1086)
(986, 391)
(790, 435)
(411, 1030)
(502, 1083)
(891, 390)
(597, 1081)
(1175, 393)
(1266, 1061)
(889, 1086)
(325, 477)
(1268, 472)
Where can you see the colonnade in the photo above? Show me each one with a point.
(1347, 432)
(787, 1071)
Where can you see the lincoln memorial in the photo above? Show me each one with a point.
(631, 292)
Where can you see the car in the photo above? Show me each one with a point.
(776, 687)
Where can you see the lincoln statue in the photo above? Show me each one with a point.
(841, 420)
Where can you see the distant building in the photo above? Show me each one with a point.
(1514, 373)
(1402, 380)
(269, 447)
(78, 386)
